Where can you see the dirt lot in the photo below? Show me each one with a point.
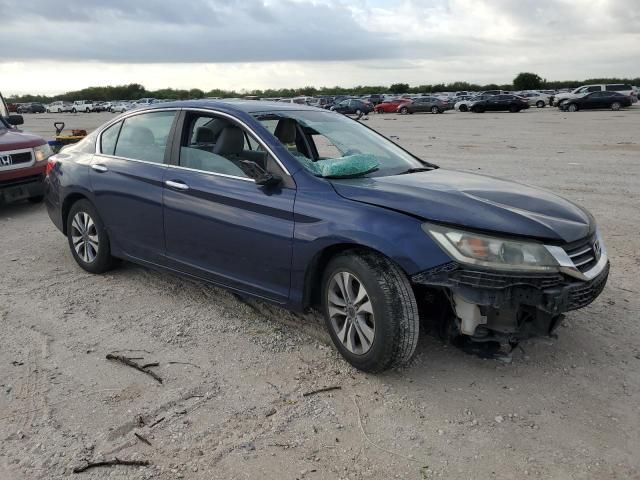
(234, 408)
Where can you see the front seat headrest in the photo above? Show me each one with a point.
(139, 136)
(230, 141)
(205, 135)
(286, 130)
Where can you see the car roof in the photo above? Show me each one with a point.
(245, 106)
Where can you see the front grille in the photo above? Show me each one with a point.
(15, 159)
(582, 295)
(584, 253)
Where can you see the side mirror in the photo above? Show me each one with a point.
(15, 120)
(268, 180)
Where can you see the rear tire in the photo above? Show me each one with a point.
(463, 108)
(615, 106)
(404, 110)
(88, 238)
(514, 109)
(435, 110)
(540, 104)
(370, 310)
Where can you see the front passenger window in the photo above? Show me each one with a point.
(144, 137)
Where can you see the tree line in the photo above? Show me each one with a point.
(135, 91)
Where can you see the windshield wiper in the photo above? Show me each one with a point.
(416, 170)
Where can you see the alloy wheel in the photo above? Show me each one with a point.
(615, 106)
(84, 236)
(351, 313)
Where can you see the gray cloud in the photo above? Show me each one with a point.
(244, 31)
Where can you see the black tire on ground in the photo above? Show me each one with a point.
(514, 109)
(36, 198)
(540, 104)
(464, 108)
(615, 106)
(435, 110)
(74, 110)
(572, 108)
(394, 316)
(404, 110)
(103, 260)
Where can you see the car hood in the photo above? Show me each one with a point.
(11, 139)
(473, 201)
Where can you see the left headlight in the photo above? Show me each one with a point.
(492, 252)
(42, 152)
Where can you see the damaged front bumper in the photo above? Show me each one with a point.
(512, 306)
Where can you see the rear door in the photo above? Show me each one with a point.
(219, 224)
(127, 177)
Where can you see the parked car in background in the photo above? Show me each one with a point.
(500, 103)
(373, 99)
(425, 104)
(353, 106)
(537, 99)
(82, 106)
(12, 107)
(305, 208)
(144, 102)
(622, 88)
(465, 105)
(59, 107)
(33, 107)
(390, 106)
(602, 99)
(121, 107)
(23, 160)
(494, 92)
(101, 106)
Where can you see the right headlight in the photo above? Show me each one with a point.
(492, 252)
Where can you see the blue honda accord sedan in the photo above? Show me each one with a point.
(307, 208)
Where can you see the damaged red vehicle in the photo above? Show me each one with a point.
(23, 160)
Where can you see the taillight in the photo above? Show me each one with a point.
(51, 163)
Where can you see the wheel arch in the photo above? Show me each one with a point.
(318, 264)
(66, 207)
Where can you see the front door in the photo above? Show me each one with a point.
(126, 177)
(219, 224)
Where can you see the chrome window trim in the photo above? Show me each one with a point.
(159, 164)
(123, 117)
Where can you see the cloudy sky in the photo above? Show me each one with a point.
(50, 47)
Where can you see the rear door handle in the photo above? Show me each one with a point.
(98, 167)
(176, 185)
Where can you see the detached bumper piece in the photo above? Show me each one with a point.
(510, 306)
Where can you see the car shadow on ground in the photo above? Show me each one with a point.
(18, 209)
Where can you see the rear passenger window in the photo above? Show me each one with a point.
(109, 138)
(145, 136)
(618, 87)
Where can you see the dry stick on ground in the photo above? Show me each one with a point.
(364, 434)
(320, 390)
(110, 463)
(161, 419)
(152, 364)
(131, 363)
(184, 363)
(142, 439)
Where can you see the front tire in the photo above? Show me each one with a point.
(88, 238)
(404, 110)
(540, 104)
(370, 311)
(435, 110)
(615, 106)
(463, 108)
(573, 107)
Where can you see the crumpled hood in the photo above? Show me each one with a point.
(474, 201)
(11, 139)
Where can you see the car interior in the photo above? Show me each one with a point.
(217, 145)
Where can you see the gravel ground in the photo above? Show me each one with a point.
(231, 405)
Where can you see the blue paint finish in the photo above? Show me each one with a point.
(264, 241)
(129, 199)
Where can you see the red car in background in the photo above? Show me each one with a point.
(391, 106)
(23, 160)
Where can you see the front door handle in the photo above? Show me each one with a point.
(176, 185)
(98, 167)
